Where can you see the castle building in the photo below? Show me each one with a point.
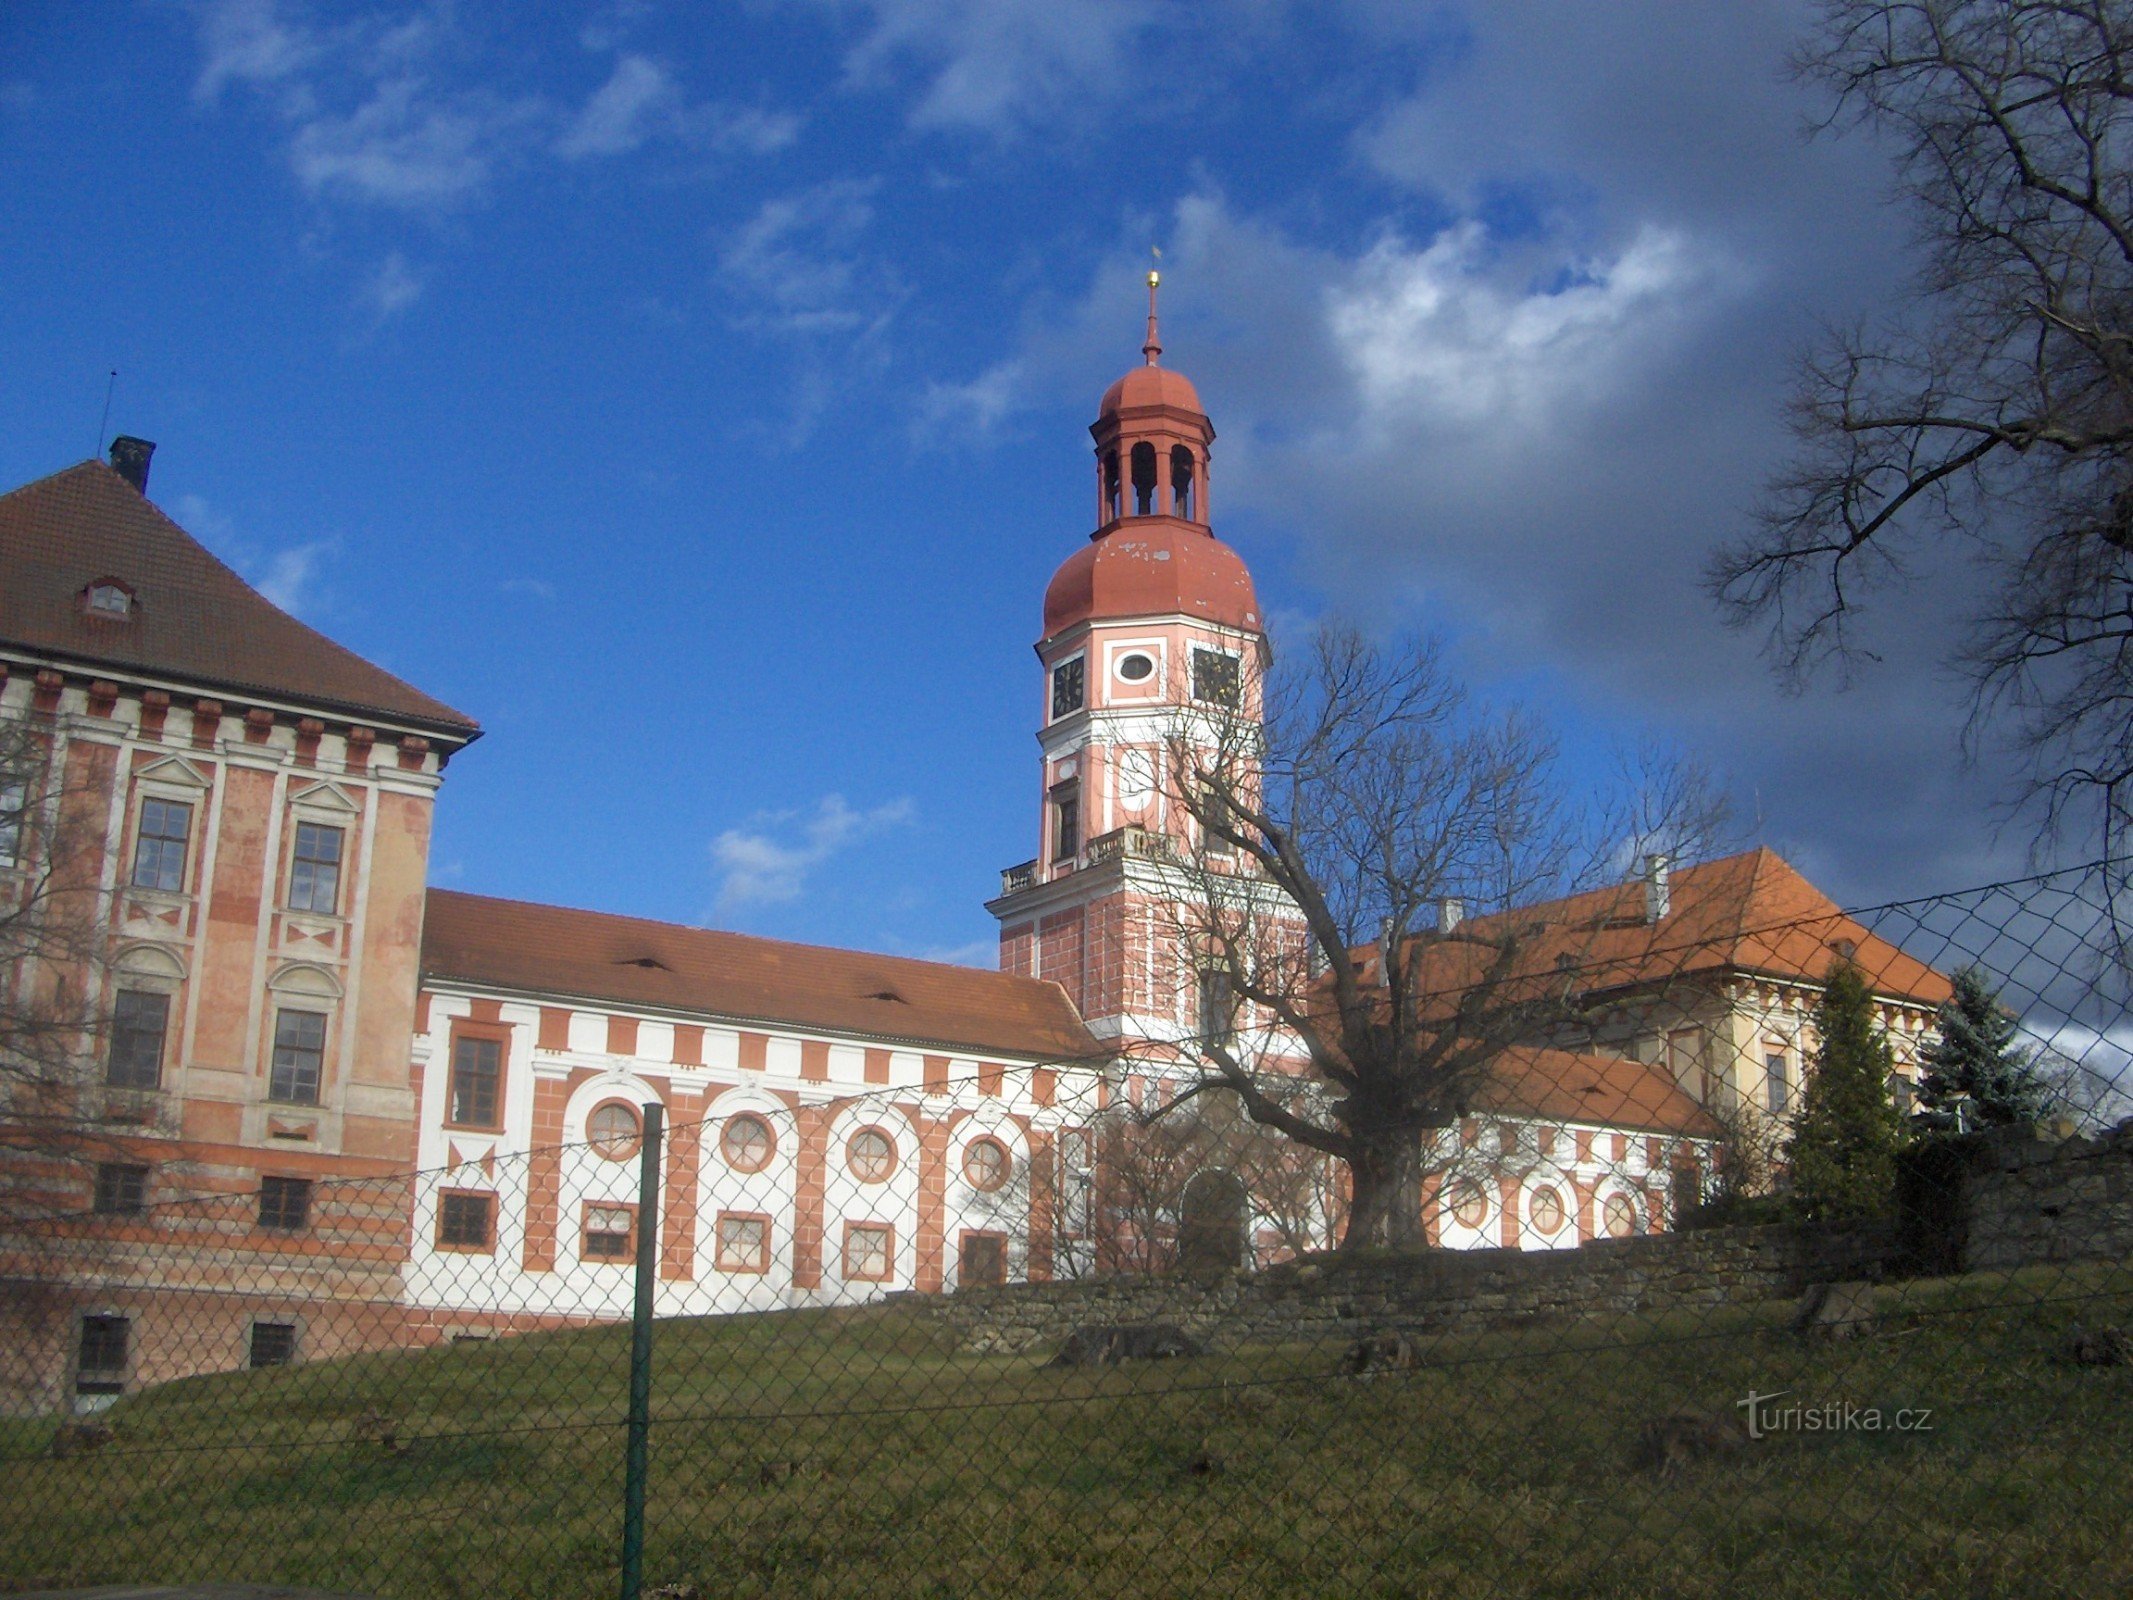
(318, 1105)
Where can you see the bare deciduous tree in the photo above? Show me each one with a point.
(1371, 874)
(1994, 410)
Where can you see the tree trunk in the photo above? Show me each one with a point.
(1387, 1205)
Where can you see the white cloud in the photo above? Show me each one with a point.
(290, 577)
(407, 145)
(979, 406)
(247, 41)
(1443, 335)
(999, 64)
(768, 862)
(391, 289)
(641, 102)
(638, 99)
(532, 588)
(798, 260)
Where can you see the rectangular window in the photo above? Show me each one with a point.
(1685, 1060)
(159, 846)
(273, 1344)
(1218, 1007)
(285, 1204)
(315, 871)
(121, 1189)
(743, 1242)
(610, 1233)
(1068, 686)
(1219, 813)
(299, 1057)
(1780, 1088)
(13, 798)
(984, 1260)
(100, 1365)
(869, 1251)
(1076, 1178)
(477, 1082)
(465, 1220)
(139, 1021)
(1066, 822)
(1215, 678)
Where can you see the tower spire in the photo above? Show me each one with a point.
(1153, 349)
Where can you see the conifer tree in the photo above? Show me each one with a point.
(1975, 1075)
(1843, 1147)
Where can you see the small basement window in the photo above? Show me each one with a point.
(273, 1344)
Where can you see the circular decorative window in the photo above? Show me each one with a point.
(1547, 1210)
(1620, 1216)
(1136, 667)
(613, 1130)
(747, 1143)
(986, 1164)
(1470, 1203)
(871, 1155)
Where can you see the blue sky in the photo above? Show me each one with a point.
(696, 394)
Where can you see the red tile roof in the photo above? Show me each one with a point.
(632, 963)
(194, 620)
(1611, 1091)
(1752, 914)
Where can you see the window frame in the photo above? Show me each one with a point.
(465, 1032)
(121, 1029)
(488, 1199)
(1479, 1193)
(1232, 699)
(770, 1144)
(275, 1218)
(964, 1240)
(987, 1141)
(586, 1254)
(719, 1260)
(298, 861)
(1067, 831)
(593, 1141)
(1629, 1205)
(851, 1159)
(14, 822)
(275, 1047)
(1555, 1199)
(1777, 1080)
(295, 1330)
(141, 837)
(111, 1380)
(887, 1230)
(121, 1189)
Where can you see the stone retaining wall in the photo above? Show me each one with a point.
(2025, 1196)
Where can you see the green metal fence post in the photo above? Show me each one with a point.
(640, 1424)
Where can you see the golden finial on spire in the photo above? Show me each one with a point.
(1153, 349)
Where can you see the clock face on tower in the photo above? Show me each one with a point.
(1067, 687)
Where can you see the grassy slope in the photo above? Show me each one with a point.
(851, 1453)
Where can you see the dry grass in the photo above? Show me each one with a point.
(852, 1453)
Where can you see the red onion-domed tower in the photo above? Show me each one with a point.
(1150, 619)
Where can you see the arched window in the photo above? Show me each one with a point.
(1181, 486)
(1111, 486)
(1144, 479)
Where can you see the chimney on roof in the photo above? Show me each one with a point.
(129, 459)
(1658, 892)
(1451, 911)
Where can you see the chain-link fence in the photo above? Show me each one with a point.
(1689, 1320)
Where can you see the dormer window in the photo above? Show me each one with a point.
(107, 597)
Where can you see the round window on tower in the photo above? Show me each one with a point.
(1136, 667)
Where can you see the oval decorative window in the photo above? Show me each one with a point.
(613, 1130)
(747, 1143)
(1136, 667)
(987, 1165)
(1470, 1203)
(1620, 1216)
(1547, 1210)
(871, 1155)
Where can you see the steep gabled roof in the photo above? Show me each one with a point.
(632, 963)
(1752, 914)
(1611, 1091)
(193, 620)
